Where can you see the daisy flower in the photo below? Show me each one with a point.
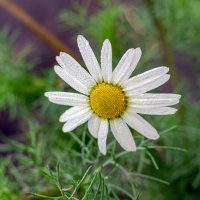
(110, 97)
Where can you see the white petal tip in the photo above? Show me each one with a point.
(164, 68)
(130, 147)
(107, 41)
(138, 52)
(62, 53)
(174, 111)
(79, 37)
(179, 96)
(47, 94)
(61, 119)
(167, 77)
(139, 49)
(133, 149)
(59, 60)
(154, 137)
(103, 152)
(167, 68)
(57, 57)
(56, 67)
(64, 130)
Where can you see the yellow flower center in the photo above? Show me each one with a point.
(107, 101)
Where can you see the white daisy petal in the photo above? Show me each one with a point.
(141, 87)
(129, 70)
(71, 80)
(67, 98)
(75, 122)
(124, 61)
(126, 65)
(102, 136)
(157, 100)
(153, 73)
(122, 134)
(158, 96)
(106, 61)
(93, 125)
(136, 122)
(75, 69)
(89, 58)
(73, 113)
(147, 76)
(152, 110)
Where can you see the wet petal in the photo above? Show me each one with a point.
(106, 61)
(156, 100)
(147, 80)
(102, 136)
(67, 98)
(75, 69)
(143, 109)
(136, 122)
(75, 122)
(89, 58)
(71, 80)
(93, 125)
(73, 113)
(126, 65)
(122, 134)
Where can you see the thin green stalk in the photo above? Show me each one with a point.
(90, 187)
(150, 178)
(152, 159)
(80, 182)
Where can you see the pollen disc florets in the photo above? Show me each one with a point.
(107, 101)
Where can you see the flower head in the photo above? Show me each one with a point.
(111, 97)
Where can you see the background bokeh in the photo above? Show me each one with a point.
(36, 157)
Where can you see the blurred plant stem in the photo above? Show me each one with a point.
(36, 27)
(167, 52)
(50, 193)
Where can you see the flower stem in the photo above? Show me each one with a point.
(50, 193)
(36, 27)
(167, 51)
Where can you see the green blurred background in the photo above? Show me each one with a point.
(36, 157)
